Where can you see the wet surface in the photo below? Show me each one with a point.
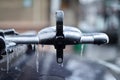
(24, 68)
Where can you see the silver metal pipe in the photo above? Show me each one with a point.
(23, 39)
(86, 39)
(94, 38)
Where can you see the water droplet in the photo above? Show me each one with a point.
(18, 69)
(60, 60)
(82, 49)
(61, 64)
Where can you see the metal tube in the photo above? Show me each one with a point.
(94, 38)
(23, 39)
(86, 39)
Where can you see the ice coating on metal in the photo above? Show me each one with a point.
(59, 36)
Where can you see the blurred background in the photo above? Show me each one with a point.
(87, 15)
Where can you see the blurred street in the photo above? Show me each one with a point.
(48, 69)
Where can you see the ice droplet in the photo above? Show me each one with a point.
(61, 64)
(82, 49)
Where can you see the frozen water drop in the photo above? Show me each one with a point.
(42, 51)
(61, 64)
(82, 49)
(60, 60)
(37, 59)
(17, 68)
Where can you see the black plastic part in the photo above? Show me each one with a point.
(100, 38)
(1, 33)
(9, 31)
(2, 45)
(99, 41)
(59, 55)
(59, 39)
(59, 23)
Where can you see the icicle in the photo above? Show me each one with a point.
(37, 58)
(7, 61)
(17, 52)
(42, 50)
(82, 49)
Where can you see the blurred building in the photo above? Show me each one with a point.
(24, 14)
(35, 14)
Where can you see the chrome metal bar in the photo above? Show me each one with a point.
(94, 38)
(23, 39)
